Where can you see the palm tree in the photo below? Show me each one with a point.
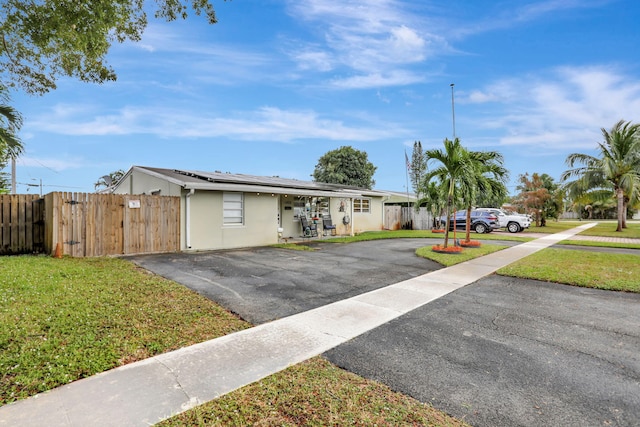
(487, 176)
(455, 166)
(618, 166)
(10, 122)
(108, 181)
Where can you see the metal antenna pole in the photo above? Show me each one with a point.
(453, 111)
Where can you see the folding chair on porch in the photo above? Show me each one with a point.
(327, 225)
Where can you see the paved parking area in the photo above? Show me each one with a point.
(264, 284)
(500, 351)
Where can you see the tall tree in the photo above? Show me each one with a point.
(43, 40)
(533, 195)
(345, 166)
(617, 166)
(453, 166)
(418, 167)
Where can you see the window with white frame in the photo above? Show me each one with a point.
(362, 205)
(233, 207)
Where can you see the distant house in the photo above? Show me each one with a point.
(223, 210)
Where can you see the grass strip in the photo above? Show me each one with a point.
(313, 393)
(604, 228)
(452, 259)
(592, 243)
(618, 272)
(422, 234)
(293, 246)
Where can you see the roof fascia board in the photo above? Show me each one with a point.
(212, 186)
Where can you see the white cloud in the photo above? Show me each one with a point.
(57, 165)
(266, 123)
(393, 78)
(564, 109)
(499, 17)
(314, 60)
(375, 40)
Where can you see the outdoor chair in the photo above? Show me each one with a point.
(327, 225)
(308, 230)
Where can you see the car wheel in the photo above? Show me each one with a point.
(480, 228)
(513, 227)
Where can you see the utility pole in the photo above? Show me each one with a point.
(13, 175)
(453, 111)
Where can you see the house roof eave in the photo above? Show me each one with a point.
(247, 188)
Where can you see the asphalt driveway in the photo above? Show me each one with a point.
(500, 351)
(264, 284)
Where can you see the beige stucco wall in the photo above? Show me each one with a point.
(208, 231)
(141, 183)
(371, 221)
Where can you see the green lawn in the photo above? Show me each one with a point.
(618, 272)
(70, 318)
(313, 393)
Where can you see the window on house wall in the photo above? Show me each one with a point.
(362, 205)
(299, 207)
(233, 207)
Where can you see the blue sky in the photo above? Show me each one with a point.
(276, 84)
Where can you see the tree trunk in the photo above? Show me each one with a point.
(468, 227)
(620, 197)
(446, 228)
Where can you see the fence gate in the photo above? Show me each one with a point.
(21, 224)
(87, 224)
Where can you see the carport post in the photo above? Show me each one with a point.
(351, 215)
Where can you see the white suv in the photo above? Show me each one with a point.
(513, 223)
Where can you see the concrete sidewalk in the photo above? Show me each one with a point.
(146, 392)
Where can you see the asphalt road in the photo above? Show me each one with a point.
(498, 352)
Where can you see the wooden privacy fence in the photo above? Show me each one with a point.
(21, 224)
(404, 218)
(87, 224)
